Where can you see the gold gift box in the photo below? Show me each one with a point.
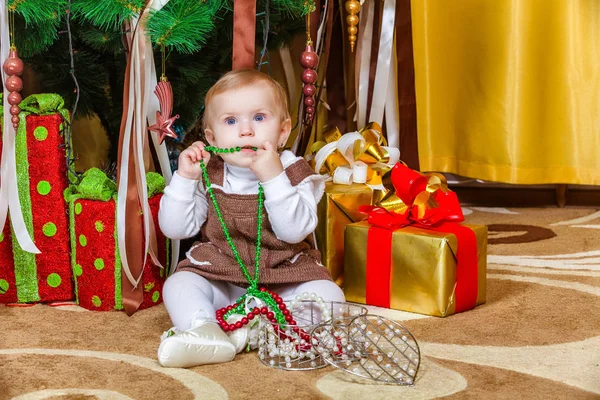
(338, 208)
(423, 268)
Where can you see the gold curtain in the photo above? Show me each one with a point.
(509, 90)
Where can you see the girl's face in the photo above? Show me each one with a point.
(246, 117)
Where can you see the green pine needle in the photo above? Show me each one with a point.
(295, 7)
(183, 25)
(33, 39)
(38, 11)
(104, 41)
(106, 14)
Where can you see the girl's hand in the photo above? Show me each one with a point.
(189, 160)
(266, 164)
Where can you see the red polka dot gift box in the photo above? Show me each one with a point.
(41, 179)
(8, 288)
(95, 255)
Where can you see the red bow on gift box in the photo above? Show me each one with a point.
(417, 199)
(423, 201)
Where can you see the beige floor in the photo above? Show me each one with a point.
(537, 337)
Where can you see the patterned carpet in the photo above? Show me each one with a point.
(537, 337)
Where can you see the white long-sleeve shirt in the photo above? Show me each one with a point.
(292, 210)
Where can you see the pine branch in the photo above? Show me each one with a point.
(38, 11)
(190, 77)
(36, 24)
(296, 8)
(102, 40)
(57, 79)
(183, 24)
(34, 39)
(106, 14)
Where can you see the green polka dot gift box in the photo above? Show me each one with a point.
(95, 255)
(41, 179)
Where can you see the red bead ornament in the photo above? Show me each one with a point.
(309, 60)
(309, 90)
(13, 64)
(13, 67)
(309, 76)
(14, 83)
(14, 98)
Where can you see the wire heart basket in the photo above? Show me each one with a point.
(342, 335)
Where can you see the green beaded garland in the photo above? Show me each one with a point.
(217, 150)
(253, 289)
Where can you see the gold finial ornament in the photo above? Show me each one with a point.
(353, 8)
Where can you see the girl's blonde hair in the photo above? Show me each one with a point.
(241, 78)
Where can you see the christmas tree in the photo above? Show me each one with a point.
(194, 35)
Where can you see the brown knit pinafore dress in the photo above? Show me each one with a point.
(280, 262)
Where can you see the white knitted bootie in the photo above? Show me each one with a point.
(204, 343)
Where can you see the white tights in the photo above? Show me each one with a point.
(188, 296)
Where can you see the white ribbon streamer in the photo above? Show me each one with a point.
(392, 110)
(9, 192)
(384, 58)
(142, 80)
(363, 61)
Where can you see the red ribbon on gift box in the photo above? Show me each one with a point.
(423, 201)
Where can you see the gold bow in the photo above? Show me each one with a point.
(366, 147)
(404, 188)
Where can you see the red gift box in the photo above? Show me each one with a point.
(41, 179)
(95, 256)
(8, 287)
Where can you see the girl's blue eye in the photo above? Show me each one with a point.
(259, 117)
(230, 121)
